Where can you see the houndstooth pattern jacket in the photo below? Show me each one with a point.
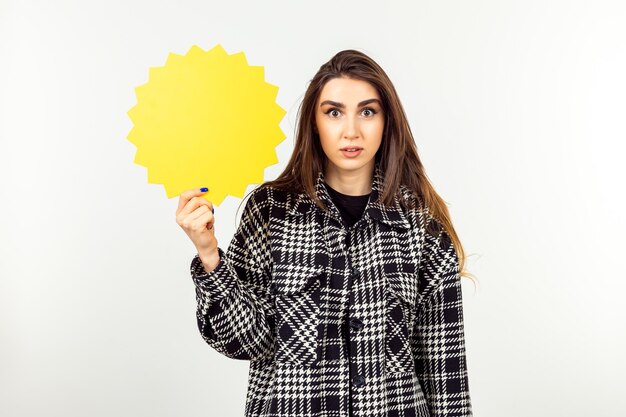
(365, 321)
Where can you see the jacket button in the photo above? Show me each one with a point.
(273, 289)
(358, 381)
(356, 324)
(354, 272)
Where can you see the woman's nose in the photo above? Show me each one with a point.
(351, 128)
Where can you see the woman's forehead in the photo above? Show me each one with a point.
(348, 91)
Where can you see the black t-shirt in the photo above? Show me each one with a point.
(351, 207)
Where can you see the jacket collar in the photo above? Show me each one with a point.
(393, 216)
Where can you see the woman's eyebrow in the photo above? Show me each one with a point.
(341, 105)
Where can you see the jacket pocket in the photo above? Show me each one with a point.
(400, 315)
(296, 291)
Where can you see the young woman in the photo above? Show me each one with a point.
(341, 284)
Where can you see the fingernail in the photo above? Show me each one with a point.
(204, 189)
(212, 210)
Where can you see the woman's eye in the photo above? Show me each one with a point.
(333, 112)
(368, 112)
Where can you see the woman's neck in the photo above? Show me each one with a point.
(350, 182)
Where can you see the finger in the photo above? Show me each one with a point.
(206, 220)
(200, 211)
(185, 196)
(192, 205)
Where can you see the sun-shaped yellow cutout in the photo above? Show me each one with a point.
(206, 119)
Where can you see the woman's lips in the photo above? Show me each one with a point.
(351, 154)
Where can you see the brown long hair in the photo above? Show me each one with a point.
(397, 155)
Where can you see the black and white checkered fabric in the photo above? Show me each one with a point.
(365, 321)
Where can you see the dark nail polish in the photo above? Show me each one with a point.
(212, 210)
(204, 189)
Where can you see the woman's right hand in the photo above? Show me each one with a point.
(195, 216)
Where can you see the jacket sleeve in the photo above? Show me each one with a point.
(438, 336)
(234, 313)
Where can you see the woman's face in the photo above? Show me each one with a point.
(349, 114)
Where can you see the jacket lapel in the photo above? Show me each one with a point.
(392, 216)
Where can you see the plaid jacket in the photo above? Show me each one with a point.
(365, 321)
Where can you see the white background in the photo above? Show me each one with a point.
(518, 110)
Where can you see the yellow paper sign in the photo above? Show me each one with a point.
(206, 119)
